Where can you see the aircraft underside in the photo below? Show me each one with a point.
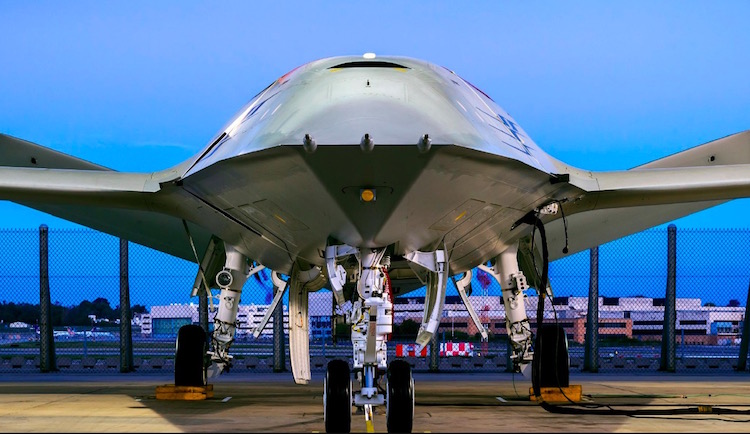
(394, 240)
(370, 380)
(294, 204)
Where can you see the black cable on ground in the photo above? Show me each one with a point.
(608, 410)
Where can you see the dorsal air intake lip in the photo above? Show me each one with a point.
(368, 64)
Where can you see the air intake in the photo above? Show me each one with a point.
(368, 64)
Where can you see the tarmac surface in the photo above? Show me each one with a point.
(475, 402)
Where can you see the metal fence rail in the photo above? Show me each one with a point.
(644, 317)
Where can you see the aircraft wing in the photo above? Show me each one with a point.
(121, 204)
(619, 203)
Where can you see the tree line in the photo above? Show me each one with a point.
(77, 315)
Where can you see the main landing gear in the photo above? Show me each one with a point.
(194, 360)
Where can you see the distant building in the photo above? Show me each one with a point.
(167, 320)
(639, 318)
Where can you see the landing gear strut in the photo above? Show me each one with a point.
(371, 319)
(513, 284)
(231, 279)
(195, 359)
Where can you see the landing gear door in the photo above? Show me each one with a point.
(437, 264)
(212, 263)
(299, 335)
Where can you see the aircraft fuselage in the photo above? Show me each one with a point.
(447, 166)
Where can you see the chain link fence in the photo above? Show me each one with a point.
(631, 280)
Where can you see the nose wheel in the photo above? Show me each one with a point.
(399, 410)
(337, 397)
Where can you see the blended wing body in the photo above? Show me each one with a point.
(449, 168)
(351, 172)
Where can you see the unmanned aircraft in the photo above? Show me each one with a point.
(371, 176)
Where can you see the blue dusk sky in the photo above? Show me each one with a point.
(142, 85)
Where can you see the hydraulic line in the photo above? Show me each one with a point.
(575, 409)
(532, 219)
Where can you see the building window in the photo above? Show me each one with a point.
(647, 332)
(648, 323)
(169, 326)
(454, 324)
(611, 301)
(692, 331)
(561, 324)
(612, 325)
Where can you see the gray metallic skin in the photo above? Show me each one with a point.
(480, 174)
(281, 180)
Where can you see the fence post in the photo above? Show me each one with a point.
(47, 360)
(668, 348)
(742, 361)
(434, 353)
(203, 312)
(591, 353)
(279, 361)
(126, 329)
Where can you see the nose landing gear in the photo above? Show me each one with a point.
(370, 314)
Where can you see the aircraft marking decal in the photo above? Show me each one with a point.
(257, 107)
(510, 129)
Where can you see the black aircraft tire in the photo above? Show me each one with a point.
(551, 365)
(399, 410)
(337, 397)
(189, 366)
